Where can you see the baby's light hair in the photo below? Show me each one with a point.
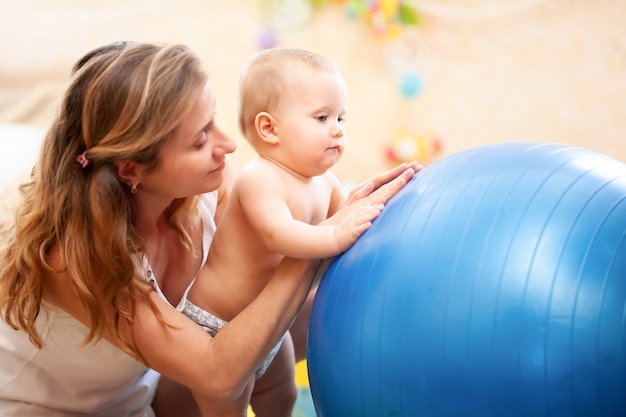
(262, 82)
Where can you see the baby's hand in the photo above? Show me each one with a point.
(351, 221)
(382, 187)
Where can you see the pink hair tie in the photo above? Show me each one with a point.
(82, 159)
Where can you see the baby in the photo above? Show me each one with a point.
(284, 202)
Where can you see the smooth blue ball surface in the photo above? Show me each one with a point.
(493, 284)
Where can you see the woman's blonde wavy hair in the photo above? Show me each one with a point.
(124, 101)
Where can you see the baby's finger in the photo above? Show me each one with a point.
(386, 191)
(388, 176)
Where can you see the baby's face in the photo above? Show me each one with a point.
(310, 119)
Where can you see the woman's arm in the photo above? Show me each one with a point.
(221, 366)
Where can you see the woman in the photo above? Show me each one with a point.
(113, 226)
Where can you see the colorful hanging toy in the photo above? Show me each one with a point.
(407, 146)
(385, 16)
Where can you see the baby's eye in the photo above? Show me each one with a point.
(341, 119)
(321, 118)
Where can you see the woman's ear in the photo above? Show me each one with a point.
(266, 127)
(129, 172)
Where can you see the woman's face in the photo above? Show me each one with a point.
(193, 161)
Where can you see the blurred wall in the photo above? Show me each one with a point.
(490, 71)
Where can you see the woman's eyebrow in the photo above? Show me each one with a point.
(204, 128)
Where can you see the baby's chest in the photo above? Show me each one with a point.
(310, 204)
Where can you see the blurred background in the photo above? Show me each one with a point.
(427, 78)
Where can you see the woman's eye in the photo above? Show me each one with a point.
(203, 138)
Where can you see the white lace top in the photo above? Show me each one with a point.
(65, 378)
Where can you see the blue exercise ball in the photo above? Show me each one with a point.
(493, 284)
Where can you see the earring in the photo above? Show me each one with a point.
(133, 188)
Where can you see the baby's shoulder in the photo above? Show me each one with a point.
(257, 167)
(258, 173)
(254, 183)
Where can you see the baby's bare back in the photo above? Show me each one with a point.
(237, 268)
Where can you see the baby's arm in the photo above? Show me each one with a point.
(263, 198)
(341, 199)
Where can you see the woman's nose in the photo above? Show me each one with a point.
(225, 143)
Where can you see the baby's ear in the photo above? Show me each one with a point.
(266, 127)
